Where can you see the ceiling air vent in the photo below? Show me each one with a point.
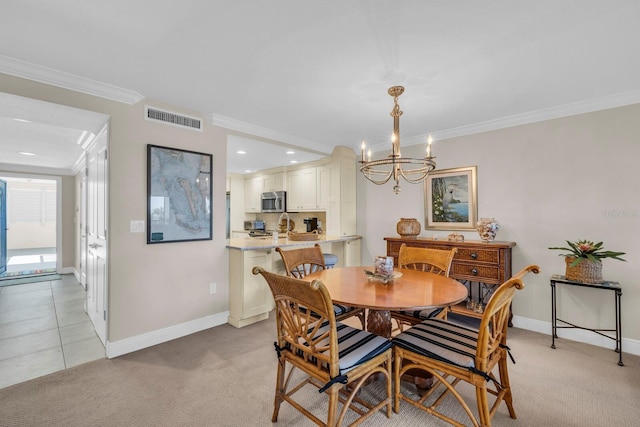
(174, 119)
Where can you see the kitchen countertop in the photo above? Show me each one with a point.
(251, 243)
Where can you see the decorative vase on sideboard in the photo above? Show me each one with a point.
(408, 227)
(487, 229)
(586, 271)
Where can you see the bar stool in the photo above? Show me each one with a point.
(330, 260)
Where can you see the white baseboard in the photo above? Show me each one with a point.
(129, 345)
(70, 270)
(628, 345)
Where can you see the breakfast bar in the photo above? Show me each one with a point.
(250, 299)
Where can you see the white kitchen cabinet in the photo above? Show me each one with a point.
(273, 182)
(340, 197)
(302, 190)
(252, 193)
(352, 255)
(250, 299)
(323, 185)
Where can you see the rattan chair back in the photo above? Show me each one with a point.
(426, 259)
(300, 262)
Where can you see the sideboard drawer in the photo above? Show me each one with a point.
(480, 255)
(479, 273)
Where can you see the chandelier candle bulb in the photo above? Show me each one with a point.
(429, 141)
(363, 148)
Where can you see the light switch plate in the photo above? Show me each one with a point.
(136, 226)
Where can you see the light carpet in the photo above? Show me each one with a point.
(225, 377)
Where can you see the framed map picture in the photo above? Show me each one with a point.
(179, 195)
(450, 199)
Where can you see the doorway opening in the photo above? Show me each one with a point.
(31, 214)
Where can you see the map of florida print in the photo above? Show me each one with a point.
(180, 205)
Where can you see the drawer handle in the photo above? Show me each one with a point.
(474, 272)
(474, 255)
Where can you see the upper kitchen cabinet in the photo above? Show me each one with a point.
(252, 192)
(256, 185)
(274, 182)
(302, 190)
(339, 193)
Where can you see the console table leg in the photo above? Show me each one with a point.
(553, 315)
(619, 327)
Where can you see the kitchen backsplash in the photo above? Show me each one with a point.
(271, 220)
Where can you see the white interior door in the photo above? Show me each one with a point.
(83, 231)
(96, 234)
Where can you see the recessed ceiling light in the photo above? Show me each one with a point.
(293, 161)
(241, 152)
(25, 153)
(291, 152)
(248, 171)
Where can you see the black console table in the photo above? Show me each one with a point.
(606, 285)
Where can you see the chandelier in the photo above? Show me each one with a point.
(394, 165)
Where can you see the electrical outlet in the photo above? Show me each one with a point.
(213, 287)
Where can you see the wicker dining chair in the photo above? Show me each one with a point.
(454, 353)
(300, 262)
(335, 358)
(436, 261)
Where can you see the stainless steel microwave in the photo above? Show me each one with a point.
(274, 201)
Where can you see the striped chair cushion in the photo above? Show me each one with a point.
(355, 346)
(338, 309)
(441, 340)
(425, 314)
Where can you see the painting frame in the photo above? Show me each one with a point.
(458, 210)
(179, 195)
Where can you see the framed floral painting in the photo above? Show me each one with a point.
(451, 199)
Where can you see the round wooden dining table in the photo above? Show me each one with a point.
(413, 290)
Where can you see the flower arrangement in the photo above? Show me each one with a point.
(586, 249)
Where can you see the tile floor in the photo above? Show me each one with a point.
(43, 329)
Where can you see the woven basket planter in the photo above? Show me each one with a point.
(585, 272)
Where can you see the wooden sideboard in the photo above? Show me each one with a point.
(484, 264)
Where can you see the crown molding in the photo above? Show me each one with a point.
(259, 131)
(38, 73)
(567, 110)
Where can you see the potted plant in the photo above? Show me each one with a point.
(584, 260)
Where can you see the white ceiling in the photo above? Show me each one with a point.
(315, 74)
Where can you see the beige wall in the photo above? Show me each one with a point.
(565, 179)
(151, 287)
